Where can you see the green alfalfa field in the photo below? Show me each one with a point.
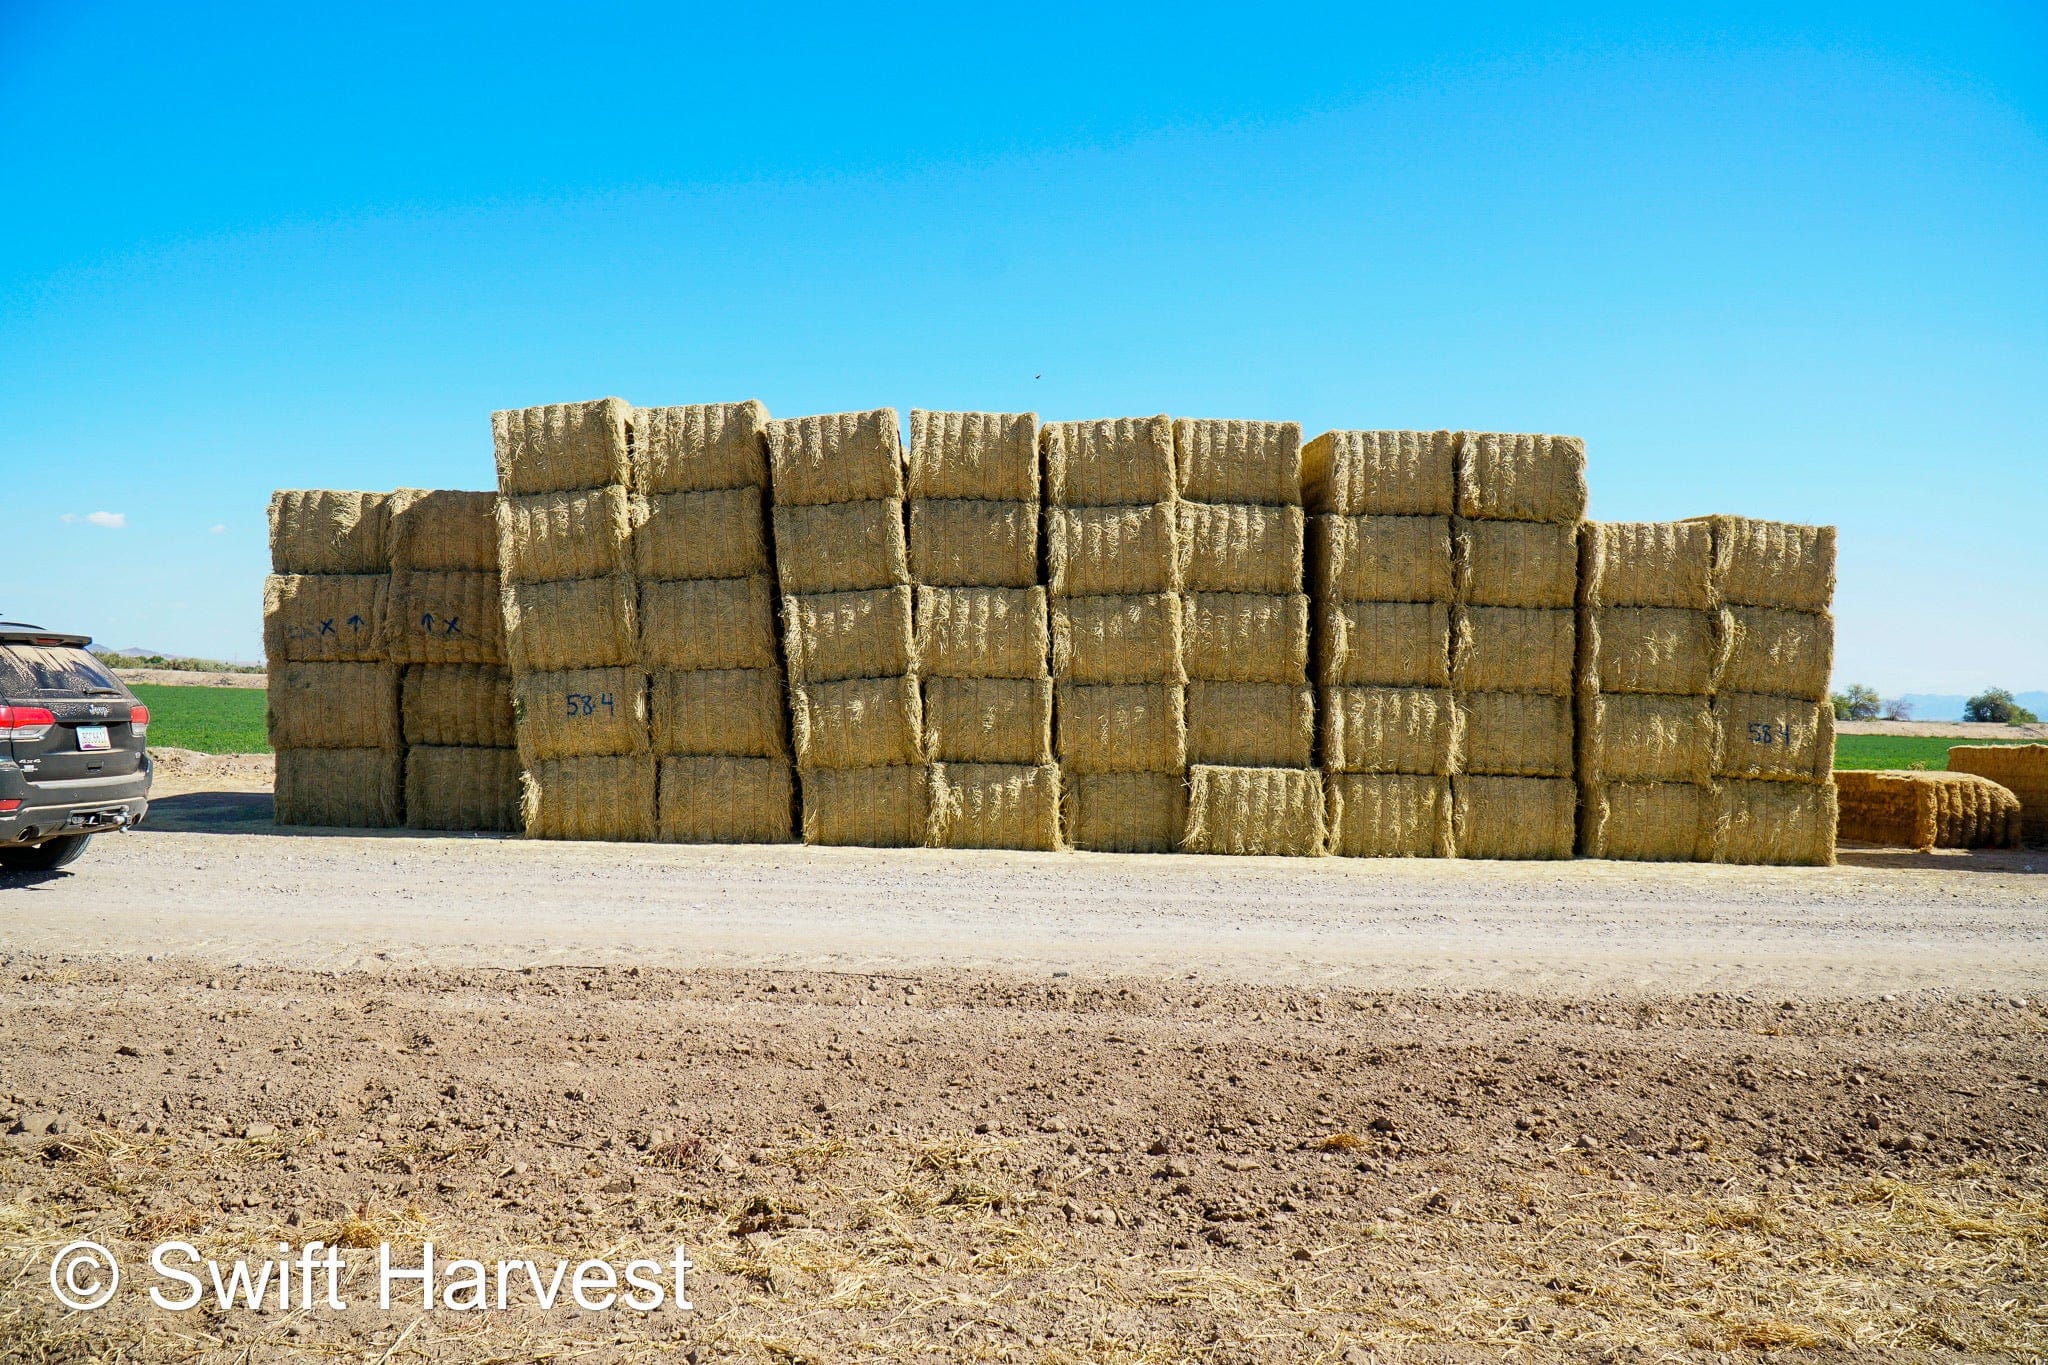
(213, 720)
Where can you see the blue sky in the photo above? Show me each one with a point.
(1790, 267)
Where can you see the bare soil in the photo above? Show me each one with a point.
(1942, 729)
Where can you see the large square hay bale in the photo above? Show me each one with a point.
(466, 706)
(334, 706)
(562, 446)
(1123, 812)
(1632, 737)
(985, 455)
(1098, 551)
(995, 805)
(1776, 738)
(580, 623)
(699, 447)
(841, 547)
(1381, 559)
(959, 542)
(738, 712)
(988, 720)
(1226, 460)
(708, 623)
(1245, 636)
(713, 533)
(1240, 547)
(1516, 734)
(462, 789)
(1273, 812)
(724, 800)
(446, 530)
(1389, 729)
(1252, 725)
(324, 618)
(1517, 563)
(321, 531)
(983, 632)
(1518, 477)
(836, 635)
(444, 616)
(1110, 462)
(608, 798)
(1924, 810)
(1784, 823)
(1646, 564)
(1124, 639)
(1650, 649)
(857, 723)
(2021, 769)
(1381, 473)
(1513, 649)
(347, 788)
(585, 533)
(1514, 817)
(1137, 727)
(577, 712)
(1773, 563)
(1384, 644)
(867, 807)
(1388, 815)
(1787, 653)
(835, 457)
(1647, 821)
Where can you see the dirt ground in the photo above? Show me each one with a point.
(181, 677)
(1942, 729)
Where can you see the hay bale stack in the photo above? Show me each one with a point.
(1379, 569)
(1242, 542)
(572, 630)
(708, 639)
(856, 715)
(2021, 769)
(1924, 810)
(1113, 581)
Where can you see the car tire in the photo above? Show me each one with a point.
(45, 857)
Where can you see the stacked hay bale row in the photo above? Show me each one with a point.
(1113, 577)
(333, 714)
(982, 630)
(1926, 810)
(571, 609)
(708, 637)
(2021, 769)
(843, 571)
(1253, 786)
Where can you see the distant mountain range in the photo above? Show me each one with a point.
(1941, 706)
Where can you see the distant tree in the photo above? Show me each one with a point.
(1858, 703)
(1996, 705)
(1898, 708)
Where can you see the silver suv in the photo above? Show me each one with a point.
(74, 749)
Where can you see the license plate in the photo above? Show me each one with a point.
(92, 738)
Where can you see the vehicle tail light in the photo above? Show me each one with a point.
(25, 722)
(9, 807)
(139, 718)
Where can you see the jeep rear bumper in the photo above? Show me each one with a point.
(51, 810)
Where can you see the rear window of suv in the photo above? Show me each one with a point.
(53, 671)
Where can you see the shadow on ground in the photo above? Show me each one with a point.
(243, 812)
(2007, 860)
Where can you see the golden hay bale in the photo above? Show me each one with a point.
(1225, 460)
(1925, 810)
(735, 712)
(841, 547)
(1514, 477)
(333, 706)
(1123, 812)
(867, 807)
(995, 805)
(324, 618)
(446, 530)
(1240, 547)
(708, 623)
(1789, 823)
(584, 533)
(462, 788)
(835, 457)
(1646, 564)
(1517, 563)
(1513, 649)
(1776, 738)
(1669, 650)
(609, 798)
(1515, 734)
(988, 455)
(347, 788)
(1787, 653)
(581, 623)
(1271, 812)
(562, 446)
(857, 723)
(576, 712)
(982, 632)
(1245, 636)
(1383, 644)
(318, 531)
(988, 720)
(457, 706)
(713, 533)
(963, 542)
(710, 799)
(1514, 817)
(2021, 769)
(1381, 559)
(1773, 563)
(1116, 461)
(1251, 725)
(1388, 815)
(700, 447)
(836, 635)
(1381, 473)
(1647, 821)
(1097, 551)
(1389, 730)
(1644, 738)
(1123, 727)
(1122, 639)
(443, 616)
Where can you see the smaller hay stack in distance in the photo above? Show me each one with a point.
(2021, 769)
(1926, 810)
